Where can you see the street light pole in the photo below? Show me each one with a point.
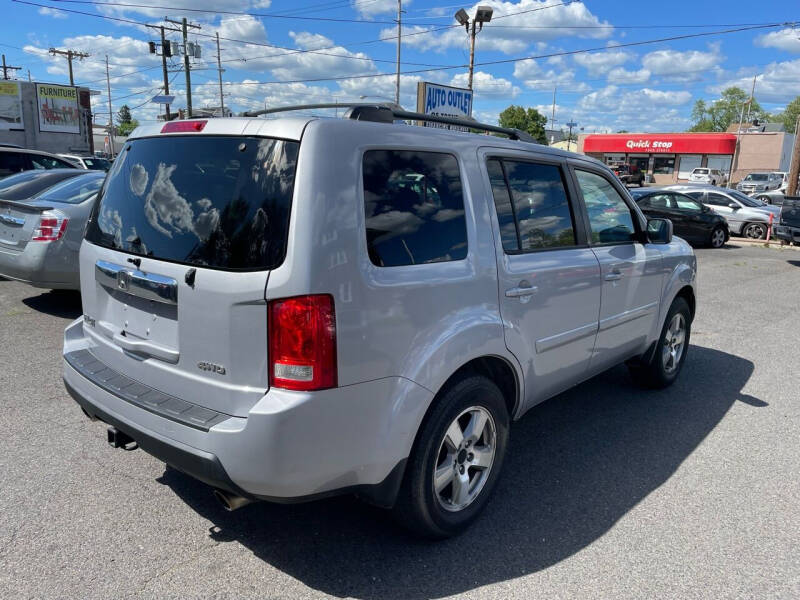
(482, 15)
(399, 37)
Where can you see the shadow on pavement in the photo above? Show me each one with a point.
(794, 263)
(58, 303)
(576, 465)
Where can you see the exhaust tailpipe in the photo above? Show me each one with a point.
(229, 501)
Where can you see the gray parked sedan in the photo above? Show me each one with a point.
(40, 236)
(746, 216)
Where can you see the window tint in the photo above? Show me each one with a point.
(11, 162)
(502, 203)
(414, 208)
(540, 203)
(609, 216)
(48, 162)
(220, 202)
(696, 195)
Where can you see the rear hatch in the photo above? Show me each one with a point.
(179, 248)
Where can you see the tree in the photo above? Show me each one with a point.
(790, 115)
(528, 120)
(126, 122)
(725, 111)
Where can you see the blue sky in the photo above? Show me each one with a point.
(282, 50)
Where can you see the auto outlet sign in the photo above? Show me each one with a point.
(637, 145)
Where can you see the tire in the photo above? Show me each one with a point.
(450, 510)
(755, 231)
(717, 238)
(665, 365)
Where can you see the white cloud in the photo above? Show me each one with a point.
(621, 75)
(785, 39)
(532, 76)
(645, 109)
(486, 85)
(371, 8)
(532, 21)
(690, 65)
(778, 82)
(52, 12)
(600, 63)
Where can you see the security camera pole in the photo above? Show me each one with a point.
(482, 15)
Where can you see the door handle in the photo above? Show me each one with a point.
(614, 275)
(521, 292)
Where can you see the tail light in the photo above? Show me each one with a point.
(51, 227)
(302, 343)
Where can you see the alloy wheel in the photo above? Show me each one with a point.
(465, 458)
(755, 231)
(717, 238)
(674, 343)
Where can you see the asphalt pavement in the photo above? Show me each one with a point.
(608, 491)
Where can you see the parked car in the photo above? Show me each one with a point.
(629, 174)
(29, 183)
(40, 236)
(759, 182)
(16, 160)
(746, 216)
(93, 163)
(292, 312)
(788, 227)
(774, 197)
(693, 221)
(709, 176)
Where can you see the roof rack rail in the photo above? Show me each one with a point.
(388, 112)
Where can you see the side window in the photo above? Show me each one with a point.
(717, 199)
(610, 217)
(696, 195)
(47, 162)
(11, 162)
(660, 201)
(686, 203)
(532, 205)
(502, 203)
(414, 208)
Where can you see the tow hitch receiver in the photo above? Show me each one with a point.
(118, 439)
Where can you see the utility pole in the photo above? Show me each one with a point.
(186, 66)
(220, 70)
(110, 113)
(794, 170)
(70, 54)
(399, 37)
(752, 97)
(735, 158)
(165, 50)
(571, 124)
(553, 117)
(7, 68)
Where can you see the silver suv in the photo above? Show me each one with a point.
(298, 307)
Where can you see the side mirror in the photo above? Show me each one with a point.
(659, 231)
(733, 205)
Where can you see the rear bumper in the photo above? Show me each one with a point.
(291, 447)
(41, 264)
(786, 233)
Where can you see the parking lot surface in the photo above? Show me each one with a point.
(608, 491)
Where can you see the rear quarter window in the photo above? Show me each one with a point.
(213, 201)
(414, 208)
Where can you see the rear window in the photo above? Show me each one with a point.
(75, 190)
(701, 171)
(220, 202)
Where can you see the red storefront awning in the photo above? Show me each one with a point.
(661, 143)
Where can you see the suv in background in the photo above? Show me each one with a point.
(16, 160)
(759, 182)
(292, 308)
(706, 175)
(628, 174)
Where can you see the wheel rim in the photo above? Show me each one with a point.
(465, 458)
(755, 231)
(718, 238)
(674, 342)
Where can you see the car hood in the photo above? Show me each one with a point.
(775, 210)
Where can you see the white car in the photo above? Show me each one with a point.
(706, 175)
(92, 163)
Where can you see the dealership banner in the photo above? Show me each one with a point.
(11, 105)
(58, 108)
(443, 100)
